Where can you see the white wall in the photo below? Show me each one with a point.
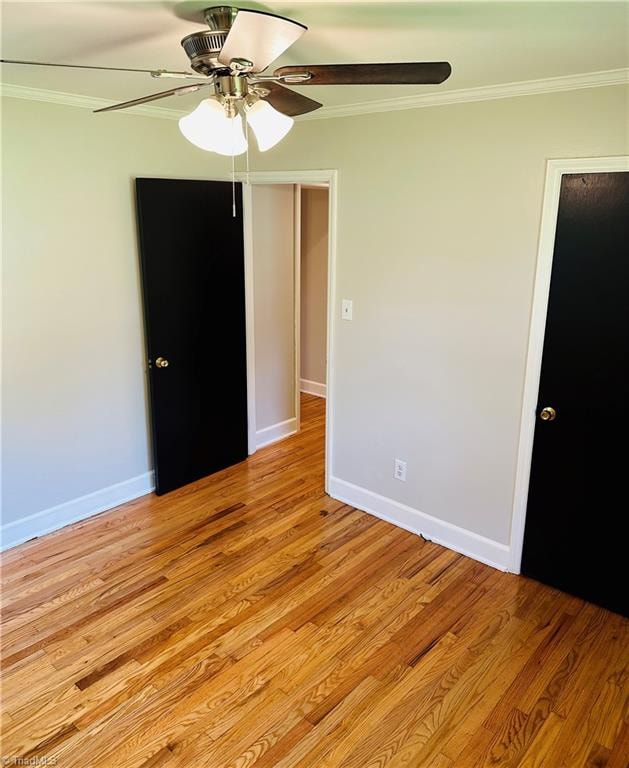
(439, 214)
(314, 288)
(273, 226)
(74, 400)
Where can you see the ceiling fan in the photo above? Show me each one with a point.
(232, 56)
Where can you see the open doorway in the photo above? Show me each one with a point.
(288, 300)
(313, 258)
(275, 231)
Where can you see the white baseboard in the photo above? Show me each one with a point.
(48, 520)
(448, 535)
(312, 387)
(275, 432)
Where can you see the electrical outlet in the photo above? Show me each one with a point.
(346, 309)
(399, 471)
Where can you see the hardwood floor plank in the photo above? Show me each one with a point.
(250, 621)
(536, 754)
(620, 750)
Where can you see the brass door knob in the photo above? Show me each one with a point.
(161, 362)
(548, 414)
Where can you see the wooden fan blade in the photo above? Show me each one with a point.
(417, 73)
(260, 38)
(289, 102)
(154, 96)
(154, 72)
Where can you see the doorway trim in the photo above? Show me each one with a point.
(327, 178)
(297, 299)
(555, 169)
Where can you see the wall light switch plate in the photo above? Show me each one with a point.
(346, 309)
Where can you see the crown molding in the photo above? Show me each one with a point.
(482, 93)
(84, 102)
(436, 99)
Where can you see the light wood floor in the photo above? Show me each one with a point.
(249, 620)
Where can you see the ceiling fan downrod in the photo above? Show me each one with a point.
(220, 17)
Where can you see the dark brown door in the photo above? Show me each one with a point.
(192, 261)
(577, 503)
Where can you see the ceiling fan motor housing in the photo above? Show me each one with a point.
(203, 48)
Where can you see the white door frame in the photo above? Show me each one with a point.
(555, 169)
(320, 177)
(297, 299)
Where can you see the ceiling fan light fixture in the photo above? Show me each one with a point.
(269, 126)
(210, 128)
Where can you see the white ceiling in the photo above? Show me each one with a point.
(487, 43)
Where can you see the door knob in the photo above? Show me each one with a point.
(161, 362)
(548, 414)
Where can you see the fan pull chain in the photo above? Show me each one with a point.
(233, 179)
(233, 186)
(247, 139)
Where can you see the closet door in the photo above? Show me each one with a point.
(192, 261)
(574, 537)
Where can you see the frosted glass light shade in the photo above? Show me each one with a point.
(269, 125)
(209, 128)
